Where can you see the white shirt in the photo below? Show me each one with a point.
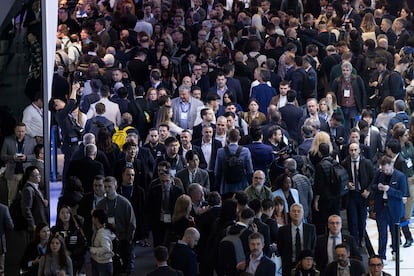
(33, 119)
(206, 149)
(338, 240)
(293, 231)
(282, 101)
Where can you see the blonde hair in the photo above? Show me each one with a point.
(320, 137)
(182, 208)
(368, 23)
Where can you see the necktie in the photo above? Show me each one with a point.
(193, 175)
(298, 246)
(356, 176)
(333, 247)
(165, 201)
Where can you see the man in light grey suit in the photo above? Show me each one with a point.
(185, 108)
(226, 180)
(193, 174)
(17, 152)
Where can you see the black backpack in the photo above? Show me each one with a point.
(233, 166)
(16, 213)
(252, 63)
(96, 126)
(339, 179)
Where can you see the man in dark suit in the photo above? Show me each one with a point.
(343, 263)
(88, 203)
(354, 137)
(86, 168)
(389, 186)
(186, 145)
(160, 206)
(221, 87)
(257, 263)
(89, 138)
(193, 174)
(161, 258)
(361, 173)
(130, 159)
(182, 256)
(209, 148)
(262, 92)
(325, 244)
(370, 135)
(291, 115)
(312, 111)
(336, 130)
(140, 111)
(33, 203)
(295, 237)
(207, 115)
(233, 84)
(261, 153)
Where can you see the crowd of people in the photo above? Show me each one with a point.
(217, 131)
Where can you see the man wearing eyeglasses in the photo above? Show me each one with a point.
(257, 190)
(375, 266)
(325, 244)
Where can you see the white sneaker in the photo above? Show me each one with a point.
(393, 257)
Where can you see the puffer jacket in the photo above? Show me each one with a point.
(102, 249)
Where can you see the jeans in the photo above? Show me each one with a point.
(99, 269)
(349, 116)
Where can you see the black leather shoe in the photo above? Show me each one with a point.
(408, 243)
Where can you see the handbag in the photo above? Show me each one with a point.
(277, 260)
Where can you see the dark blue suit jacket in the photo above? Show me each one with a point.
(291, 115)
(183, 258)
(398, 189)
(266, 267)
(263, 93)
(235, 86)
(216, 144)
(261, 155)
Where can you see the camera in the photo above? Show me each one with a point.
(79, 76)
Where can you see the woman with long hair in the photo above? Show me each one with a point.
(181, 218)
(102, 248)
(36, 249)
(333, 104)
(56, 261)
(67, 226)
(320, 137)
(369, 28)
(104, 143)
(407, 14)
(168, 73)
(257, 24)
(324, 110)
(164, 116)
(280, 213)
(154, 55)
